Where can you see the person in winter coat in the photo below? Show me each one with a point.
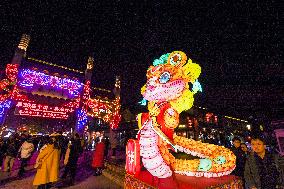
(25, 150)
(107, 147)
(42, 143)
(263, 170)
(71, 158)
(98, 157)
(2, 152)
(47, 164)
(245, 150)
(11, 153)
(240, 157)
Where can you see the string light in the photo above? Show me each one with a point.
(229, 117)
(100, 89)
(55, 65)
(87, 90)
(82, 119)
(30, 79)
(3, 108)
(12, 71)
(106, 110)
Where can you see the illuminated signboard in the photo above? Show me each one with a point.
(39, 110)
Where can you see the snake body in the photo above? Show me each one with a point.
(168, 94)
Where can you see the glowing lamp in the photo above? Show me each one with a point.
(24, 42)
(132, 164)
(248, 127)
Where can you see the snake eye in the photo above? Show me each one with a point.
(165, 77)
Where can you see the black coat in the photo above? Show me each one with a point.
(252, 176)
(3, 148)
(12, 148)
(240, 162)
(75, 151)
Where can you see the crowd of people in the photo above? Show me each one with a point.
(16, 146)
(258, 167)
(52, 151)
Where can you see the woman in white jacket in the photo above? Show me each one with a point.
(26, 151)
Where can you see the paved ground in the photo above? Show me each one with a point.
(91, 182)
(84, 178)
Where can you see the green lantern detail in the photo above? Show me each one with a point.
(162, 60)
(220, 160)
(204, 165)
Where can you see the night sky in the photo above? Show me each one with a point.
(236, 43)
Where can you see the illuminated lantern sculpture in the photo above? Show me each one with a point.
(132, 164)
(168, 94)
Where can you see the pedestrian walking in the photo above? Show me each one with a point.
(107, 147)
(63, 143)
(11, 153)
(263, 170)
(71, 158)
(47, 165)
(25, 151)
(98, 158)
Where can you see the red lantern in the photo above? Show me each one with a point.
(216, 119)
(132, 164)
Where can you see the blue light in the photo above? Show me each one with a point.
(196, 87)
(165, 77)
(31, 79)
(82, 119)
(143, 102)
(4, 106)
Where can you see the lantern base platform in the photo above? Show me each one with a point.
(145, 180)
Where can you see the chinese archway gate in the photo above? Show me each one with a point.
(41, 89)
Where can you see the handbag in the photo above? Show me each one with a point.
(38, 164)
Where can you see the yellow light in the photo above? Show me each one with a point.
(24, 42)
(51, 64)
(249, 127)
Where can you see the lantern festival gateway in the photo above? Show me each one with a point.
(36, 88)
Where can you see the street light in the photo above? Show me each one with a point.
(248, 127)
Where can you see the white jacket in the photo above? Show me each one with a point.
(26, 149)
